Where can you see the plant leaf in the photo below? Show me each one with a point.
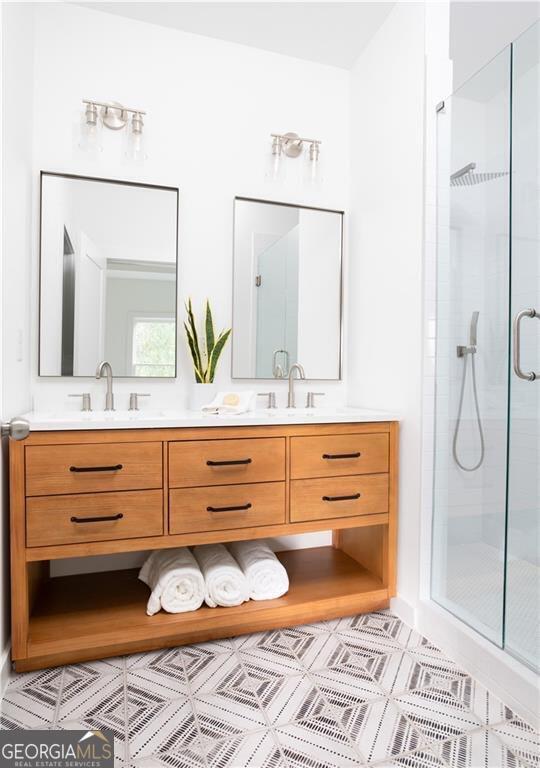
(209, 325)
(197, 358)
(191, 344)
(216, 352)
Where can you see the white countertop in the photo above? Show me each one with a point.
(147, 419)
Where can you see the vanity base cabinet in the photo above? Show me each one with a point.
(88, 616)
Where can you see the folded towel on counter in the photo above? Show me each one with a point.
(175, 579)
(224, 581)
(231, 403)
(266, 576)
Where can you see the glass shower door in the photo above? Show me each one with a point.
(521, 634)
(469, 501)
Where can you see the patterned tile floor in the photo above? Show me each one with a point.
(364, 690)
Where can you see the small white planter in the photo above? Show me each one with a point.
(201, 395)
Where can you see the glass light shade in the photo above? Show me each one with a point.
(136, 143)
(275, 164)
(312, 165)
(90, 139)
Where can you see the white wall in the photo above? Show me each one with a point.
(385, 281)
(198, 92)
(17, 74)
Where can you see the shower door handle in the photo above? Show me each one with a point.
(516, 332)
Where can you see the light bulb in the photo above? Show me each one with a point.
(90, 140)
(312, 167)
(275, 170)
(136, 145)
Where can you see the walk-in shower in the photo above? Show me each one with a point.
(485, 565)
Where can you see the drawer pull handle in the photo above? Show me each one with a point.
(342, 455)
(113, 468)
(104, 519)
(241, 508)
(342, 498)
(230, 463)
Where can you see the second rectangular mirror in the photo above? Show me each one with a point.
(287, 290)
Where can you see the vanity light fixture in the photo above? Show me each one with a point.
(292, 145)
(114, 116)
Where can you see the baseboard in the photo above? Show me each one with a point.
(403, 610)
(515, 684)
(5, 669)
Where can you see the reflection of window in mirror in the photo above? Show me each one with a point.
(153, 341)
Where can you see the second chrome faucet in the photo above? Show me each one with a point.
(105, 367)
(291, 398)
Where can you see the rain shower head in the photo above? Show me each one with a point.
(466, 177)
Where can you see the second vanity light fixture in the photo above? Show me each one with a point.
(115, 117)
(292, 145)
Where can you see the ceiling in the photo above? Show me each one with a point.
(480, 30)
(328, 33)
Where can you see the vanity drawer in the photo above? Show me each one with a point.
(219, 508)
(333, 455)
(52, 469)
(224, 462)
(327, 498)
(70, 519)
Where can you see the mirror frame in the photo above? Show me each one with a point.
(120, 182)
(241, 198)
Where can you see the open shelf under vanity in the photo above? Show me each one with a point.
(167, 484)
(76, 615)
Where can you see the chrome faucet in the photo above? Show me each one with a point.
(109, 397)
(291, 400)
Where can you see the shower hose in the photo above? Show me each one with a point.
(478, 419)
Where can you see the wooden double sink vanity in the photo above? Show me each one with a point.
(81, 493)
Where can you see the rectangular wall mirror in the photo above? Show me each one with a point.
(287, 290)
(108, 277)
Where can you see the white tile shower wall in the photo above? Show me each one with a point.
(198, 92)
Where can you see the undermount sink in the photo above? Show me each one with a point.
(100, 415)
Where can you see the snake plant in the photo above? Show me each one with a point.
(204, 360)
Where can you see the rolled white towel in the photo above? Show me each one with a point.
(225, 584)
(175, 579)
(266, 576)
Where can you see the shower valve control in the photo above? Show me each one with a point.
(461, 350)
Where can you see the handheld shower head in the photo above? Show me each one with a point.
(470, 349)
(473, 331)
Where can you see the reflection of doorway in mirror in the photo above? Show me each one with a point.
(90, 289)
(68, 305)
(276, 303)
